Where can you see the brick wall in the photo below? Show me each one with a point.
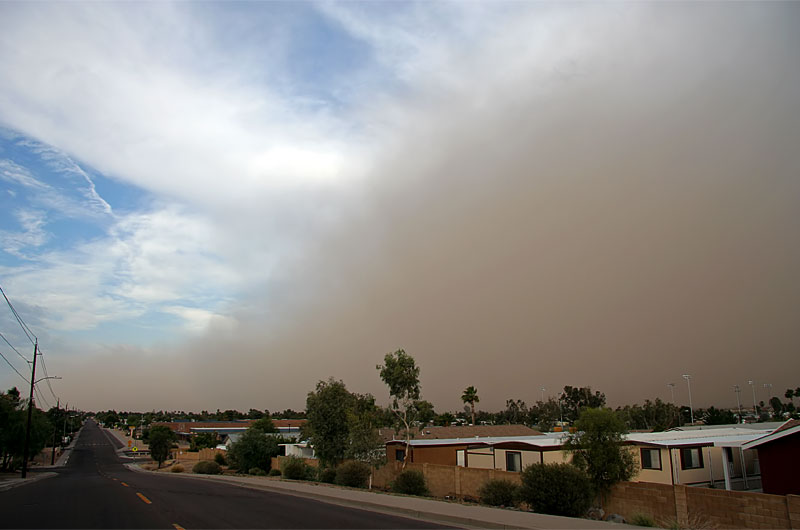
(693, 507)
(445, 481)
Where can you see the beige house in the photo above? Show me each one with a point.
(712, 457)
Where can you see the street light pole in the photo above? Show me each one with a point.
(755, 406)
(672, 391)
(738, 391)
(543, 389)
(30, 412)
(689, 384)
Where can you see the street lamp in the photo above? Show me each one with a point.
(738, 391)
(672, 391)
(755, 406)
(689, 384)
(543, 389)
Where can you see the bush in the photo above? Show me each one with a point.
(207, 467)
(219, 458)
(411, 483)
(327, 475)
(257, 471)
(556, 489)
(274, 472)
(354, 474)
(295, 468)
(177, 468)
(499, 493)
(642, 519)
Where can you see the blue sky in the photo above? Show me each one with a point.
(232, 190)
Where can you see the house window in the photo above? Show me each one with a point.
(400, 454)
(651, 458)
(513, 461)
(691, 458)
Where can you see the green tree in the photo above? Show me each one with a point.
(596, 448)
(160, 440)
(470, 397)
(202, 441)
(715, 416)
(777, 407)
(254, 450)
(401, 375)
(548, 413)
(264, 424)
(444, 419)
(327, 428)
(574, 399)
(424, 411)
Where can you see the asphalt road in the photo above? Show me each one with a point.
(95, 490)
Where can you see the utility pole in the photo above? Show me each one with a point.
(55, 434)
(30, 412)
(689, 384)
(738, 401)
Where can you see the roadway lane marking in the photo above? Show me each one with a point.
(145, 499)
(124, 484)
(178, 527)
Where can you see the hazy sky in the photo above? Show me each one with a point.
(216, 205)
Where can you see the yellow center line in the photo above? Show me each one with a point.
(145, 499)
(178, 527)
(124, 484)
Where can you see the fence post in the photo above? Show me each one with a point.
(458, 481)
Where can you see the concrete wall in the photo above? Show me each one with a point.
(703, 507)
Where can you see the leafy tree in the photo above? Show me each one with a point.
(549, 413)
(254, 449)
(255, 414)
(777, 406)
(202, 441)
(264, 424)
(574, 399)
(327, 428)
(444, 419)
(653, 415)
(516, 411)
(596, 448)
(470, 396)
(715, 416)
(424, 411)
(401, 375)
(160, 440)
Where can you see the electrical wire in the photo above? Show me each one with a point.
(47, 376)
(13, 348)
(28, 333)
(13, 368)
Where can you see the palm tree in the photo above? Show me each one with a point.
(470, 396)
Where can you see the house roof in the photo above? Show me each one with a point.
(455, 432)
(730, 437)
(789, 428)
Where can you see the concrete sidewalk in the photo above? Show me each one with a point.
(468, 516)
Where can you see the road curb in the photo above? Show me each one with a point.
(33, 477)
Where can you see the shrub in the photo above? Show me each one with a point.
(354, 474)
(327, 475)
(556, 489)
(499, 493)
(257, 471)
(274, 472)
(642, 519)
(295, 468)
(411, 483)
(207, 467)
(177, 468)
(219, 458)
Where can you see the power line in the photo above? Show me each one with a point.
(22, 324)
(13, 368)
(41, 398)
(46, 375)
(13, 348)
